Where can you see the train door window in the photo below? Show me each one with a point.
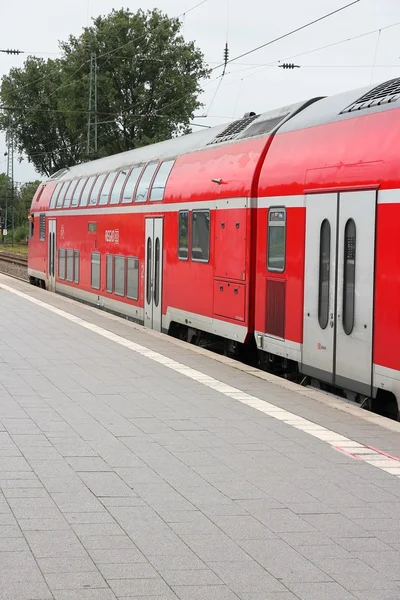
(86, 191)
(95, 274)
(324, 273)
(95, 191)
(54, 195)
(69, 193)
(145, 181)
(201, 235)
(119, 275)
(31, 225)
(132, 278)
(60, 197)
(109, 273)
(160, 180)
(117, 187)
(42, 227)
(276, 239)
(105, 190)
(183, 235)
(349, 276)
(77, 191)
(70, 265)
(76, 266)
(129, 189)
(61, 263)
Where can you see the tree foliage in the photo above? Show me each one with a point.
(148, 83)
(18, 201)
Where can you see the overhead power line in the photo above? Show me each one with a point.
(293, 31)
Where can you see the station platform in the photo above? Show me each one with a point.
(135, 466)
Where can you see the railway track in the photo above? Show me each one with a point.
(10, 257)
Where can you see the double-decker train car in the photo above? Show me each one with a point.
(276, 233)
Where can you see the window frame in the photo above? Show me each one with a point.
(81, 179)
(200, 260)
(125, 175)
(352, 305)
(89, 177)
(77, 262)
(59, 194)
(42, 227)
(156, 163)
(132, 200)
(71, 186)
(110, 259)
(128, 258)
(188, 234)
(172, 161)
(269, 226)
(323, 317)
(69, 254)
(91, 270)
(119, 256)
(59, 274)
(109, 175)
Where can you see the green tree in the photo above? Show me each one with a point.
(148, 83)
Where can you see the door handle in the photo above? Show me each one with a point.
(331, 323)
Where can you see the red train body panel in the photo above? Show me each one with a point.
(279, 228)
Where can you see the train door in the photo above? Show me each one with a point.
(52, 246)
(153, 273)
(339, 284)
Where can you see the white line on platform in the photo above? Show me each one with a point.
(356, 450)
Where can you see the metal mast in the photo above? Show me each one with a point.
(91, 146)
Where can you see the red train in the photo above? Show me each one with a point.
(278, 232)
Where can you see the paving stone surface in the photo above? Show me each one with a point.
(123, 479)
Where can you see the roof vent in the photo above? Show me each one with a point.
(58, 174)
(385, 93)
(262, 127)
(233, 130)
(249, 114)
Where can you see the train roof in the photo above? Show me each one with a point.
(250, 126)
(362, 101)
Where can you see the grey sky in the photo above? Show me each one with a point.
(37, 27)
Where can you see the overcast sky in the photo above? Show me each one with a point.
(37, 26)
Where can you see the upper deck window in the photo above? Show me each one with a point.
(60, 197)
(130, 185)
(69, 194)
(105, 190)
(94, 194)
(77, 191)
(86, 190)
(117, 187)
(55, 193)
(160, 180)
(145, 181)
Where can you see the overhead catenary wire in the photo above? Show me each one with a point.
(289, 33)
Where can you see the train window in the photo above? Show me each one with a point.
(86, 191)
(130, 185)
(183, 235)
(324, 273)
(349, 276)
(42, 227)
(132, 278)
(119, 275)
(160, 180)
(95, 274)
(60, 197)
(105, 190)
(76, 266)
(276, 239)
(145, 181)
(201, 235)
(109, 273)
(117, 187)
(61, 263)
(95, 191)
(77, 191)
(148, 270)
(54, 195)
(70, 193)
(70, 265)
